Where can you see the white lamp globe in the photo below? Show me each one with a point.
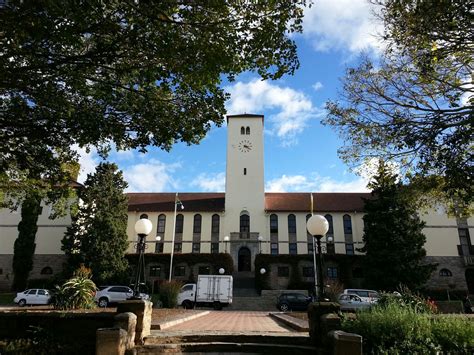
(143, 226)
(158, 238)
(263, 271)
(226, 238)
(221, 271)
(317, 225)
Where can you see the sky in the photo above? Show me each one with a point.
(300, 153)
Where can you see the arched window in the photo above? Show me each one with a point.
(144, 216)
(242, 130)
(291, 224)
(445, 273)
(329, 219)
(244, 223)
(160, 228)
(347, 224)
(274, 223)
(215, 224)
(179, 223)
(197, 224)
(247, 131)
(46, 271)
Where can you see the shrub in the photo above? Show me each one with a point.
(407, 298)
(334, 288)
(169, 293)
(77, 292)
(454, 334)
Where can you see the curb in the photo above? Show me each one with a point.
(297, 324)
(161, 326)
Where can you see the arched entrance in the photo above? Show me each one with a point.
(469, 280)
(244, 259)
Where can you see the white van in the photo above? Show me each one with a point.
(366, 295)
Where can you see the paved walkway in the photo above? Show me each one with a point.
(233, 322)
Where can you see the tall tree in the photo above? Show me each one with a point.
(131, 73)
(415, 103)
(393, 236)
(98, 235)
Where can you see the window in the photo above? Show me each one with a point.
(274, 248)
(196, 248)
(291, 224)
(274, 223)
(215, 224)
(245, 171)
(32, 292)
(1, 271)
(178, 247)
(293, 248)
(346, 219)
(197, 224)
(332, 272)
(330, 247)
(242, 130)
(179, 271)
(160, 228)
(247, 130)
(158, 247)
(179, 223)
(42, 292)
(204, 270)
(445, 273)
(244, 223)
(329, 219)
(144, 216)
(283, 271)
(46, 271)
(308, 272)
(214, 248)
(310, 248)
(155, 271)
(349, 249)
(120, 289)
(465, 240)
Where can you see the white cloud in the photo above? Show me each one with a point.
(153, 176)
(210, 182)
(300, 183)
(88, 162)
(294, 107)
(342, 24)
(317, 86)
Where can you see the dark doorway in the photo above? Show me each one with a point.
(244, 259)
(469, 279)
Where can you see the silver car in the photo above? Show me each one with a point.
(113, 294)
(352, 302)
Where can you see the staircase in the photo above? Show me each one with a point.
(244, 284)
(246, 297)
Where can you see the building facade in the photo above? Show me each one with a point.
(245, 221)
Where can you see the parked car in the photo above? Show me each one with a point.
(293, 301)
(366, 295)
(111, 294)
(32, 296)
(352, 302)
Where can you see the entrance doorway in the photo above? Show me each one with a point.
(470, 280)
(244, 259)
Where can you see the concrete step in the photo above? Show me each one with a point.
(245, 292)
(245, 282)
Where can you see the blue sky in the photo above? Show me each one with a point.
(300, 153)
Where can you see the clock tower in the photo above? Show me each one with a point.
(244, 190)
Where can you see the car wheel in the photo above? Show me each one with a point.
(217, 306)
(22, 303)
(284, 307)
(103, 302)
(187, 304)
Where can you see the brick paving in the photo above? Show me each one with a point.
(233, 322)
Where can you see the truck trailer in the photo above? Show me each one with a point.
(209, 291)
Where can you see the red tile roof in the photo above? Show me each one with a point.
(274, 202)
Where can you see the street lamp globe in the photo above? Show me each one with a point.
(260, 238)
(221, 271)
(263, 271)
(317, 225)
(143, 226)
(158, 238)
(226, 238)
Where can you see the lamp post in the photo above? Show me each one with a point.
(318, 226)
(260, 240)
(176, 203)
(143, 227)
(226, 241)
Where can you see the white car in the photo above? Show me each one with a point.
(352, 302)
(32, 296)
(112, 294)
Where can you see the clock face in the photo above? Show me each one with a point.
(245, 146)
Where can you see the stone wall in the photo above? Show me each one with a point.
(455, 264)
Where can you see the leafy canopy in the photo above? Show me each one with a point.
(128, 73)
(415, 103)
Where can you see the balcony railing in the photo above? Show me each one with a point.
(244, 235)
(469, 260)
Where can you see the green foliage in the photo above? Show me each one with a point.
(407, 299)
(120, 72)
(24, 247)
(395, 328)
(98, 236)
(415, 102)
(169, 291)
(76, 293)
(393, 237)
